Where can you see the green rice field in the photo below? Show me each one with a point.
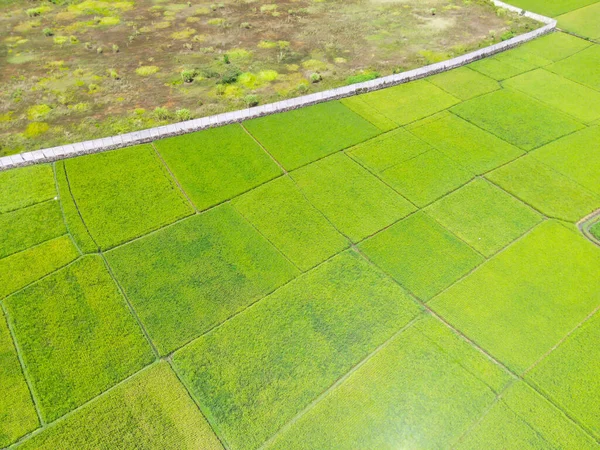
(416, 267)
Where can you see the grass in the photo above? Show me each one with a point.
(576, 156)
(421, 255)
(484, 216)
(23, 268)
(190, 277)
(124, 194)
(524, 419)
(569, 375)
(464, 83)
(562, 94)
(356, 203)
(545, 189)
(537, 290)
(409, 102)
(76, 335)
(281, 213)
(556, 46)
(509, 64)
(595, 230)
(359, 106)
(295, 139)
(516, 118)
(412, 384)
(581, 67)
(582, 22)
(553, 8)
(217, 164)
(465, 143)
(150, 410)
(303, 338)
(17, 412)
(72, 218)
(30, 226)
(25, 187)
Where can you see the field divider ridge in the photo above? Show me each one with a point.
(176, 129)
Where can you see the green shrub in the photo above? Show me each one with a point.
(162, 113)
(115, 48)
(188, 75)
(48, 32)
(183, 114)
(230, 76)
(251, 100)
(316, 77)
(145, 71)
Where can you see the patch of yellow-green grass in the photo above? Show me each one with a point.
(79, 314)
(421, 255)
(359, 106)
(556, 46)
(263, 367)
(73, 221)
(565, 95)
(26, 186)
(188, 278)
(124, 194)
(569, 375)
(551, 8)
(20, 269)
(581, 67)
(422, 390)
(356, 202)
(281, 213)
(524, 419)
(484, 216)
(545, 189)
(295, 138)
(522, 302)
(150, 410)
(38, 112)
(465, 143)
(582, 22)
(17, 412)
(576, 156)
(217, 164)
(30, 226)
(409, 102)
(464, 83)
(146, 71)
(517, 118)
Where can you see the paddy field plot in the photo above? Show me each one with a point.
(414, 267)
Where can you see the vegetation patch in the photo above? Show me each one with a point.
(517, 118)
(95, 341)
(565, 95)
(217, 164)
(484, 216)
(283, 215)
(295, 138)
(551, 9)
(464, 83)
(545, 189)
(582, 22)
(25, 187)
(124, 194)
(414, 383)
(536, 291)
(468, 145)
(524, 419)
(23, 268)
(410, 102)
(575, 156)
(357, 203)
(16, 406)
(190, 277)
(30, 226)
(325, 333)
(421, 255)
(150, 410)
(556, 46)
(581, 67)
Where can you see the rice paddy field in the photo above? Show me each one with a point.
(74, 70)
(416, 267)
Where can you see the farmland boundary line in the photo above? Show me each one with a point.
(152, 134)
